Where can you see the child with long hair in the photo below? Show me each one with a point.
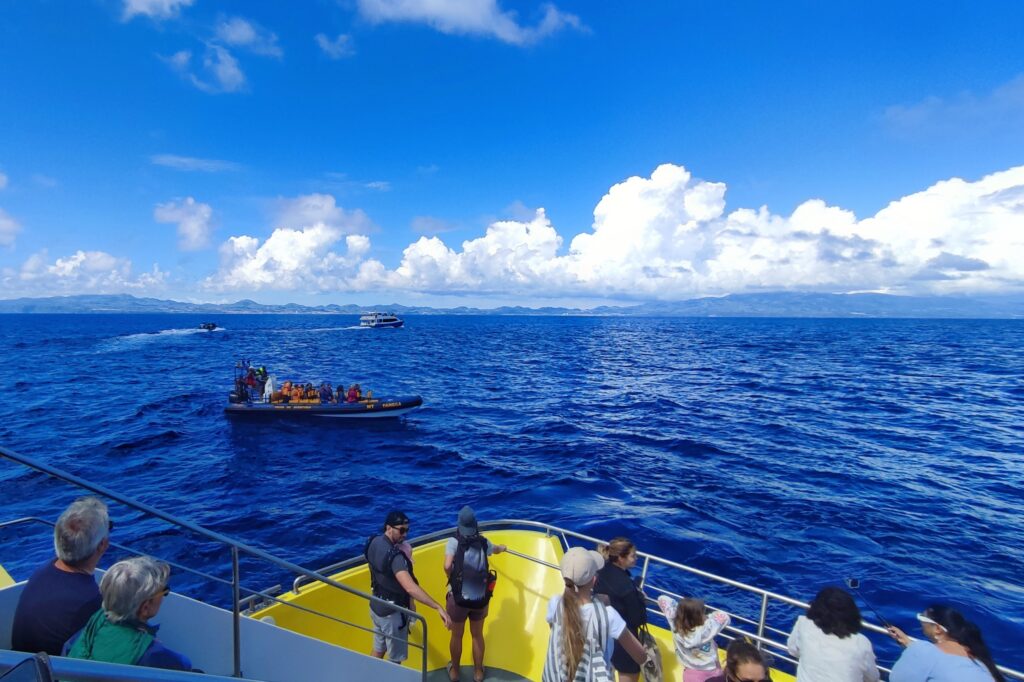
(693, 633)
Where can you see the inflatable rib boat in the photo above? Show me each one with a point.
(365, 409)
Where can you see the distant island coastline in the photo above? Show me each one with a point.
(779, 304)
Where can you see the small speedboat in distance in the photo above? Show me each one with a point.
(208, 326)
(376, 320)
(376, 408)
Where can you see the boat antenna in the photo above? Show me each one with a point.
(853, 584)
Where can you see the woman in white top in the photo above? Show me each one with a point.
(583, 630)
(829, 644)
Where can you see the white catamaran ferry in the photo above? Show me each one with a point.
(375, 320)
(319, 627)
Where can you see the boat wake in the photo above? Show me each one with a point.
(321, 329)
(134, 340)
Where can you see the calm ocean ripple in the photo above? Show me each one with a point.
(788, 454)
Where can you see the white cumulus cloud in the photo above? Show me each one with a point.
(81, 272)
(9, 229)
(512, 256)
(154, 9)
(335, 48)
(193, 220)
(310, 209)
(300, 253)
(469, 17)
(249, 35)
(217, 73)
(669, 237)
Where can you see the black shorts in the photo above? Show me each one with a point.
(622, 661)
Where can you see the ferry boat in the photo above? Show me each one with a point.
(320, 628)
(376, 320)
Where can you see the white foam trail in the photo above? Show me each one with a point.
(319, 329)
(150, 337)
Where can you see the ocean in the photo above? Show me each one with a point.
(787, 454)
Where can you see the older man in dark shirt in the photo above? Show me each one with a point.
(62, 594)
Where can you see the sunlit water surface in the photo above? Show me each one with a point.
(788, 454)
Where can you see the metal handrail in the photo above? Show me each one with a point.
(766, 595)
(236, 546)
(81, 670)
(129, 549)
(305, 576)
(245, 603)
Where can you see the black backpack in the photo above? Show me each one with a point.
(472, 580)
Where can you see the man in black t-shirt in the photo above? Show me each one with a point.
(392, 579)
(62, 594)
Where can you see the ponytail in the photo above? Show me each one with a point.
(966, 634)
(572, 628)
(616, 549)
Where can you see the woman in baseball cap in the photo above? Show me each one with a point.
(583, 630)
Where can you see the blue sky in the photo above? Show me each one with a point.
(487, 152)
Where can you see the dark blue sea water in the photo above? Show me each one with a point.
(784, 453)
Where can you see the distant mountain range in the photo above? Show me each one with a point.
(781, 304)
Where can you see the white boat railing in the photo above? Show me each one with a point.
(756, 629)
(237, 549)
(78, 670)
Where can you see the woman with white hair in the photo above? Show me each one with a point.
(583, 629)
(133, 591)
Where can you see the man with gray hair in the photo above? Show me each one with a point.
(133, 591)
(61, 595)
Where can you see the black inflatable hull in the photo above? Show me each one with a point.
(374, 409)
